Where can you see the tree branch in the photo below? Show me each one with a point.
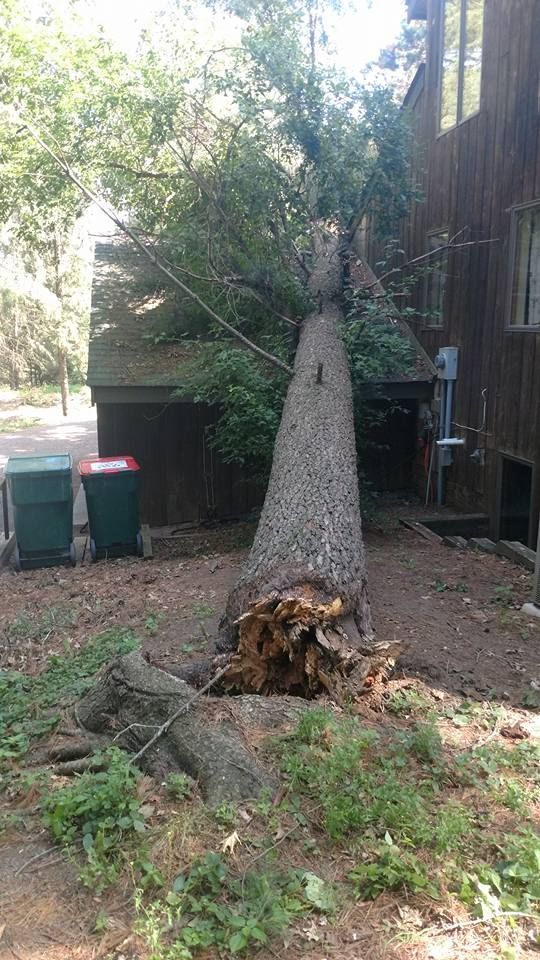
(154, 258)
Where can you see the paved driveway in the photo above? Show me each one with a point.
(75, 434)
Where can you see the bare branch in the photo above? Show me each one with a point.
(431, 254)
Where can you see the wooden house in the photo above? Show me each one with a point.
(139, 344)
(475, 110)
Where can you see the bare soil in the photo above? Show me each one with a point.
(457, 614)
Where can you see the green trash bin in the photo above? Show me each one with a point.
(42, 497)
(111, 486)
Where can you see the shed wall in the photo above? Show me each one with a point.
(182, 478)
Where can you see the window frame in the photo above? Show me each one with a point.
(435, 232)
(461, 67)
(515, 213)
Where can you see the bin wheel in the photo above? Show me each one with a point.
(17, 559)
(140, 545)
(73, 554)
(93, 551)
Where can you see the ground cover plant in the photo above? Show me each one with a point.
(386, 826)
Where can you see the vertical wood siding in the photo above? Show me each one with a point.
(471, 177)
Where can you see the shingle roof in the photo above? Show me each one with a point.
(130, 307)
(424, 369)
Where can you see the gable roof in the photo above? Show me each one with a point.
(131, 309)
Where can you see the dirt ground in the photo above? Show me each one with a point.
(456, 612)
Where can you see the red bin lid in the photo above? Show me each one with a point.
(98, 465)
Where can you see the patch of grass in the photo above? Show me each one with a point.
(101, 810)
(11, 424)
(38, 625)
(27, 703)
(389, 801)
(407, 701)
(210, 909)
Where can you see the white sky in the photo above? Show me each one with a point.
(358, 34)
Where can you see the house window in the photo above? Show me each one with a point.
(435, 281)
(525, 284)
(461, 62)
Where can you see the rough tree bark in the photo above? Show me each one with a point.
(299, 617)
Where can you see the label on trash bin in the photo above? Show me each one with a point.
(101, 465)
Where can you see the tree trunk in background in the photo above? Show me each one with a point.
(299, 617)
(63, 379)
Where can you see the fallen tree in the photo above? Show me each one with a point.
(248, 155)
(298, 620)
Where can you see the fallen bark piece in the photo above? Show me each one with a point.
(209, 741)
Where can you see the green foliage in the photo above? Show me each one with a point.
(226, 814)
(391, 868)
(407, 701)
(208, 908)
(364, 784)
(179, 786)
(102, 810)
(249, 398)
(26, 703)
(512, 884)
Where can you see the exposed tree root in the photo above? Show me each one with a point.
(211, 741)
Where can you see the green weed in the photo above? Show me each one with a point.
(208, 908)
(179, 786)
(101, 810)
(27, 704)
(513, 883)
(389, 867)
(408, 701)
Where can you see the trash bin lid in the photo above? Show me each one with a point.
(55, 463)
(92, 468)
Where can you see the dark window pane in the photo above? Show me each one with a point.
(450, 64)
(472, 61)
(436, 280)
(526, 280)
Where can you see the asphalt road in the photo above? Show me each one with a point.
(75, 434)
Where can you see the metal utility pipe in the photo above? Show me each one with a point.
(448, 408)
(442, 436)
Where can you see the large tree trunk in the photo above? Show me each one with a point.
(210, 740)
(299, 617)
(63, 379)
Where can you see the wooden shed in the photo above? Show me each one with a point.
(137, 350)
(134, 371)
